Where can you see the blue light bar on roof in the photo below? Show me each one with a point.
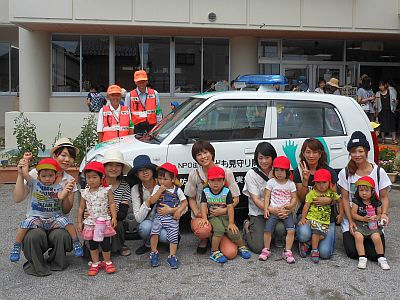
(262, 80)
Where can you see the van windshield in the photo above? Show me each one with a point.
(173, 119)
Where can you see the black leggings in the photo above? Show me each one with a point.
(350, 246)
(105, 244)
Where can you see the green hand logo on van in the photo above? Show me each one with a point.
(290, 151)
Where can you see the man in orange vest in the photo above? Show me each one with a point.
(144, 104)
(114, 120)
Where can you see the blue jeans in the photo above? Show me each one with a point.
(326, 246)
(145, 230)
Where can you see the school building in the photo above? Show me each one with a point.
(52, 51)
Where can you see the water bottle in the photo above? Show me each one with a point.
(373, 225)
(99, 227)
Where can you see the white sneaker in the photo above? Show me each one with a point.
(383, 263)
(362, 263)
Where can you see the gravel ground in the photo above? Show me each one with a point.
(198, 277)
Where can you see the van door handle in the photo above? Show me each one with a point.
(249, 151)
(336, 146)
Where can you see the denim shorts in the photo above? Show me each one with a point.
(270, 223)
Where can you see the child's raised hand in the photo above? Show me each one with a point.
(162, 188)
(28, 156)
(233, 228)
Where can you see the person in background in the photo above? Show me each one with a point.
(321, 86)
(114, 120)
(366, 98)
(95, 100)
(144, 104)
(332, 86)
(386, 104)
(174, 105)
(123, 95)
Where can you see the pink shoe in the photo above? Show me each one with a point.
(265, 253)
(288, 256)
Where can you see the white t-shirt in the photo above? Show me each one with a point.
(255, 184)
(349, 185)
(281, 194)
(140, 210)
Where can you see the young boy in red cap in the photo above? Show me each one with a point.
(217, 194)
(366, 199)
(170, 204)
(319, 215)
(45, 197)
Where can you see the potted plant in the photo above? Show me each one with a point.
(387, 158)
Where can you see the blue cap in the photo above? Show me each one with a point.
(175, 103)
(262, 79)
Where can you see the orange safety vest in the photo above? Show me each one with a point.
(115, 126)
(139, 114)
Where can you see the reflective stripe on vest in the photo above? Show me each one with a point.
(113, 128)
(139, 114)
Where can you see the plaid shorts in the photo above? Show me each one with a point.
(319, 228)
(45, 223)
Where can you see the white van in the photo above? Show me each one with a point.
(236, 121)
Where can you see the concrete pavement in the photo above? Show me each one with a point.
(198, 277)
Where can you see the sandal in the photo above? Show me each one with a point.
(94, 270)
(109, 267)
(125, 251)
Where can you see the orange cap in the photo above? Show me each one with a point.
(140, 76)
(114, 89)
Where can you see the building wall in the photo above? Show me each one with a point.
(348, 15)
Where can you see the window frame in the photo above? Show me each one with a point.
(10, 92)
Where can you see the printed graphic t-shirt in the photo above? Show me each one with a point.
(281, 194)
(320, 213)
(43, 199)
(222, 199)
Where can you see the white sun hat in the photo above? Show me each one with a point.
(63, 142)
(116, 157)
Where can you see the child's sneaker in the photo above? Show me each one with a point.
(303, 249)
(154, 259)
(172, 261)
(362, 262)
(244, 252)
(109, 267)
(15, 254)
(315, 256)
(78, 250)
(383, 263)
(288, 256)
(218, 257)
(94, 269)
(265, 253)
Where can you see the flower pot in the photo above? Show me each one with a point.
(393, 176)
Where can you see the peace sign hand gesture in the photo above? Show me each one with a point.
(305, 172)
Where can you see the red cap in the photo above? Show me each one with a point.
(281, 162)
(322, 175)
(366, 180)
(170, 168)
(114, 89)
(140, 75)
(215, 173)
(95, 166)
(48, 164)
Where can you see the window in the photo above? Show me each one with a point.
(298, 119)
(373, 51)
(127, 60)
(231, 121)
(314, 50)
(270, 69)
(187, 65)
(216, 62)
(95, 62)
(156, 62)
(8, 68)
(66, 63)
(269, 49)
